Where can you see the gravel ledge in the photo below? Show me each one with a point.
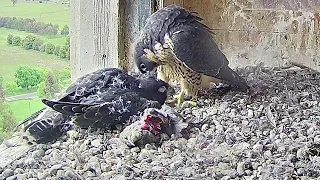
(273, 132)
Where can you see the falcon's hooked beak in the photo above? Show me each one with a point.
(152, 73)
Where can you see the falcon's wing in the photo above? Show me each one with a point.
(193, 45)
(109, 108)
(93, 82)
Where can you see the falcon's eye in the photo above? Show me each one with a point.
(162, 89)
(143, 67)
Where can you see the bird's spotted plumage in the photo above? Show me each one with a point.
(175, 42)
(100, 99)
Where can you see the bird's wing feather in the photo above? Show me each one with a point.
(118, 106)
(194, 46)
(90, 83)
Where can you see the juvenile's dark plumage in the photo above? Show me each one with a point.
(100, 99)
(175, 42)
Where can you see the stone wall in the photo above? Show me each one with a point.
(269, 31)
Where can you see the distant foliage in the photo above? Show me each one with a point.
(50, 83)
(49, 48)
(27, 77)
(29, 25)
(68, 46)
(2, 93)
(65, 30)
(9, 38)
(28, 41)
(63, 53)
(11, 87)
(65, 74)
(40, 91)
(14, 2)
(43, 48)
(7, 121)
(16, 41)
(57, 50)
(35, 43)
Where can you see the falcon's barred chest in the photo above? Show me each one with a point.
(173, 69)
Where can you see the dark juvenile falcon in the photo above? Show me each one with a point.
(175, 42)
(100, 99)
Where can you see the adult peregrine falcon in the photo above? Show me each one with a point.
(175, 42)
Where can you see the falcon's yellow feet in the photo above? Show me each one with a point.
(180, 100)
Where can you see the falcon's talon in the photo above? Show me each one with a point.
(179, 98)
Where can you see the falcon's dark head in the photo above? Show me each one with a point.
(143, 63)
(154, 89)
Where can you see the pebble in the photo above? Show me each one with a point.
(55, 168)
(96, 143)
(204, 127)
(316, 139)
(240, 168)
(21, 176)
(7, 172)
(257, 148)
(11, 177)
(30, 161)
(250, 113)
(38, 154)
(71, 174)
(43, 175)
(94, 151)
(18, 171)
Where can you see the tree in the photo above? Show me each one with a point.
(16, 41)
(50, 85)
(63, 52)
(37, 43)
(14, 2)
(49, 48)
(9, 38)
(27, 77)
(65, 30)
(57, 50)
(11, 87)
(28, 41)
(2, 93)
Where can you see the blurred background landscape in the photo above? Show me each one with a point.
(34, 57)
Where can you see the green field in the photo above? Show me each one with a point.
(12, 57)
(56, 40)
(24, 108)
(53, 13)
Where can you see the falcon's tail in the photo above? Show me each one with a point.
(227, 74)
(44, 130)
(44, 126)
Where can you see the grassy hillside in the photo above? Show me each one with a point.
(24, 108)
(13, 57)
(56, 40)
(53, 13)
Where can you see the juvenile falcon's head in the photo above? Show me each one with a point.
(154, 89)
